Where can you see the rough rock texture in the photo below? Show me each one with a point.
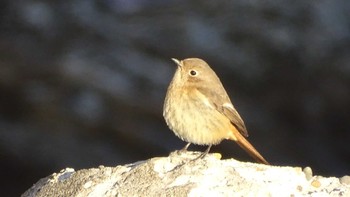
(182, 175)
(75, 75)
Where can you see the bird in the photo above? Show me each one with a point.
(199, 111)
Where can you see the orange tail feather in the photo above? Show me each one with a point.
(245, 145)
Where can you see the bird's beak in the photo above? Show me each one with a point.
(177, 61)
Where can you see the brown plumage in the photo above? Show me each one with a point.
(198, 109)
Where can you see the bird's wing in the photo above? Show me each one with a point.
(231, 113)
(221, 102)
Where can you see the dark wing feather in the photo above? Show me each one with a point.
(232, 114)
(221, 101)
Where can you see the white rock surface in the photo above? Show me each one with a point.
(180, 175)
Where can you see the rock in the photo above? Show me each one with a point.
(345, 180)
(180, 174)
(83, 82)
(308, 173)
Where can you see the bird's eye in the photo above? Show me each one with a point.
(193, 73)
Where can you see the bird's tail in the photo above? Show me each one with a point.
(243, 143)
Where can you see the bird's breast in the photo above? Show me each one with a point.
(194, 119)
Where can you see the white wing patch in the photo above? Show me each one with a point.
(229, 105)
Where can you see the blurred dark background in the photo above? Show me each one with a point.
(82, 82)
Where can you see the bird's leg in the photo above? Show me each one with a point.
(201, 156)
(193, 160)
(185, 148)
